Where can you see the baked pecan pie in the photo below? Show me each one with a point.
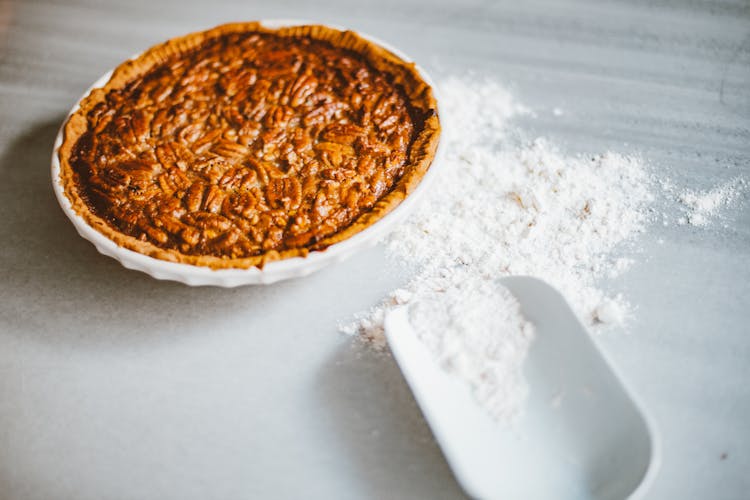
(243, 144)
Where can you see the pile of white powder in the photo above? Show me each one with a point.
(498, 209)
(501, 207)
(702, 206)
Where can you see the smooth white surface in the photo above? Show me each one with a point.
(116, 385)
(271, 272)
(582, 431)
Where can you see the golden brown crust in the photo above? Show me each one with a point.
(404, 74)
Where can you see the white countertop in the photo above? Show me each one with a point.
(114, 385)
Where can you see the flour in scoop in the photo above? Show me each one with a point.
(475, 330)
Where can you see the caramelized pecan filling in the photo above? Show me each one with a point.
(251, 142)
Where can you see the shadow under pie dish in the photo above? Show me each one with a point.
(247, 153)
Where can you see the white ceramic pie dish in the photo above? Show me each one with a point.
(271, 272)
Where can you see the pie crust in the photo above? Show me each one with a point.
(243, 144)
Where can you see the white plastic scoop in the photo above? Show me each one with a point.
(582, 435)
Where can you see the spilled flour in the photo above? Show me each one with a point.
(703, 207)
(496, 208)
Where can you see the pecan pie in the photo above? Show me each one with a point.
(243, 144)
